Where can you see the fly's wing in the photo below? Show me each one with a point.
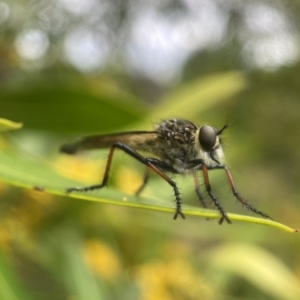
(138, 140)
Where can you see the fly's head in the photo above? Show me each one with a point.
(210, 142)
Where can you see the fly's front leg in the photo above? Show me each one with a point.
(200, 164)
(234, 190)
(240, 198)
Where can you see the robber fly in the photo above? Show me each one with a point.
(179, 147)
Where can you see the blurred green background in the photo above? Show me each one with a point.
(71, 67)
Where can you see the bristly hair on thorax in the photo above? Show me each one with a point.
(179, 144)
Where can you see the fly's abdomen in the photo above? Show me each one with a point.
(138, 140)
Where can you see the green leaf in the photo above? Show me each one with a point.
(259, 267)
(199, 95)
(6, 125)
(45, 178)
(76, 107)
(191, 99)
(11, 287)
(81, 282)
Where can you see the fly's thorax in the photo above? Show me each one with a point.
(177, 133)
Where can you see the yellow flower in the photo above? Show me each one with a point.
(101, 259)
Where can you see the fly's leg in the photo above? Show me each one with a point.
(104, 180)
(154, 164)
(213, 197)
(145, 181)
(160, 167)
(240, 198)
(198, 192)
(200, 164)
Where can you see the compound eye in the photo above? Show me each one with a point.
(207, 138)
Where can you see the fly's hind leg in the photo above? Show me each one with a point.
(104, 180)
(154, 164)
